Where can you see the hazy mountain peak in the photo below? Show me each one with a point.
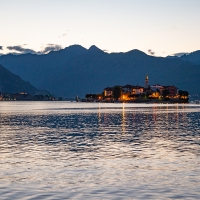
(137, 51)
(70, 51)
(95, 49)
(75, 46)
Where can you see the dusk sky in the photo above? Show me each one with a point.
(164, 27)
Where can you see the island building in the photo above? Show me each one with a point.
(108, 91)
(132, 93)
(146, 81)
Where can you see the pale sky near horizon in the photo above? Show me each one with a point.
(165, 27)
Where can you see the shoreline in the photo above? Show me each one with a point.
(139, 101)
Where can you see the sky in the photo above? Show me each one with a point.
(156, 27)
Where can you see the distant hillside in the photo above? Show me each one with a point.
(192, 57)
(77, 71)
(13, 83)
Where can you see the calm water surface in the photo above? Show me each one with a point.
(60, 150)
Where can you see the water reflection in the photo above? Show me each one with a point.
(117, 151)
(81, 129)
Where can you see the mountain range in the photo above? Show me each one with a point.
(76, 70)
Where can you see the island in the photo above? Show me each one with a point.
(138, 94)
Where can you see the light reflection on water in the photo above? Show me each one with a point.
(59, 150)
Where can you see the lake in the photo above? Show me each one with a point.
(69, 150)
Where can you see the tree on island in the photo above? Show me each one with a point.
(165, 93)
(88, 96)
(117, 91)
(183, 93)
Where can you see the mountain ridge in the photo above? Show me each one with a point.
(77, 71)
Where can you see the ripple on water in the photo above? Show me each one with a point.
(59, 151)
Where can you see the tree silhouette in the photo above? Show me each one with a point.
(183, 93)
(165, 93)
(117, 91)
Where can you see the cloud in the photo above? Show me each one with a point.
(180, 54)
(1, 47)
(151, 52)
(51, 47)
(20, 49)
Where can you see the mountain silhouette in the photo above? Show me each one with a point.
(77, 71)
(95, 50)
(10, 83)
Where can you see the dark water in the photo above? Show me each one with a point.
(59, 150)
